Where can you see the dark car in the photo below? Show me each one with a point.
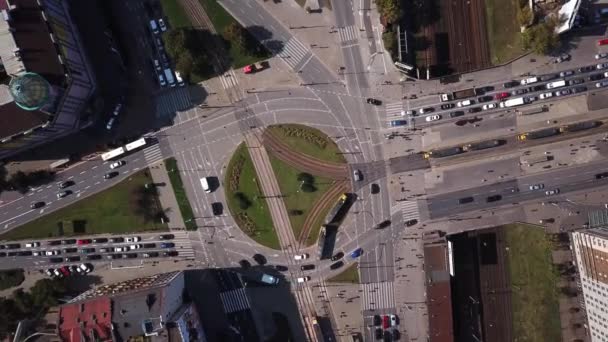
(493, 198)
(100, 240)
(37, 205)
(519, 91)
(25, 253)
(68, 241)
(337, 256)
(447, 106)
(373, 101)
(55, 260)
(93, 257)
(110, 175)
(377, 320)
(465, 200)
(167, 245)
(378, 333)
(117, 239)
(87, 250)
(260, 259)
(411, 222)
(149, 245)
(170, 253)
(383, 224)
(336, 265)
(12, 254)
(115, 256)
(70, 250)
(456, 114)
(536, 88)
(130, 255)
(307, 267)
(579, 89)
(596, 77)
(150, 255)
(563, 92)
(66, 184)
(601, 175)
(12, 246)
(2, 254)
(475, 110)
(549, 77)
(374, 188)
(54, 242)
(281, 268)
(217, 208)
(72, 258)
(486, 98)
(387, 336)
(576, 81)
(510, 84)
(166, 237)
(586, 68)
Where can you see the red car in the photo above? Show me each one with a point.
(65, 271)
(602, 42)
(501, 96)
(386, 323)
(83, 242)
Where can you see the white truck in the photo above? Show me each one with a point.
(169, 77)
(513, 102)
(205, 185)
(556, 84)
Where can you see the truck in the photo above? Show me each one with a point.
(543, 133)
(579, 126)
(444, 152)
(482, 145)
(513, 102)
(169, 77)
(531, 161)
(459, 94)
(205, 184)
(556, 84)
(533, 110)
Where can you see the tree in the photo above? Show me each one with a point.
(235, 34)
(390, 43)
(525, 16)
(307, 187)
(541, 38)
(295, 212)
(11, 278)
(185, 64)
(242, 200)
(390, 10)
(306, 177)
(176, 42)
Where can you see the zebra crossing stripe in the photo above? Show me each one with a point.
(347, 33)
(153, 154)
(293, 52)
(377, 296)
(409, 209)
(235, 300)
(394, 109)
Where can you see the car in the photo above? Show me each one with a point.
(150, 255)
(85, 268)
(149, 245)
(303, 279)
(383, 224)
(373, 101)
(281, 268)
(12, 245)
(552, 192)
(425, 110)
(37, 253)
(117, 164)
(66, 184)
(374, 188)
(510, 84)
(65, 271)
(63, 194)
(93, 257)
(170, 253)
(397, 123)
(529, 80)
(260, 259)
(547, 220)
(601, 175)
(129, 256)
(356, 253)
(25, 253)
(536, 88)
(37, 205)
(519, 91)
(537, 186)
(307, 267)
(586, 68)
(601, 84)
(68, 241)
(493, 198)
(120, 249)
(87, 250)
(548, 77)
(12, 254)
(336, 265)
(32, 244)
(464, 103)
(114, 256)
(579, 89)
(57, 273)
(396, 335)
(596, 77)
(110, 175)
(601, 55)
(563, 92)
(474, 110)
(501, 96)
(485, 98)
(489, 106)
(433, 118)
(100, 240)
(117, 239)
(447, 106)
(408, 112)
(132, 239)
(576, 81)
(378, 333)
(465, 200)
(411, 222)
(301, 256)
(50, 272)
(386, 321)
(53, 242)
(179, 79)
(167, 245)
(456, 114)
(70, 250)
(601, 66)
(566, 73)
(544, 96)
(394, 320)
(161, 80)
(337, 256)
(162, 25)
(53, 252)
(83, 241)
(166, 237)
(357, 176)
(377, 320)
(105, 250)
(72, 258)
(562, 58)
(138, 246)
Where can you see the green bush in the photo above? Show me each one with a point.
(11, 278)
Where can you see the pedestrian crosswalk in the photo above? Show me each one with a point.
(410, 210)
(183, 244)
(394, 109)
(347, 33)
(229, 79)
(235, 300)
(153, 154)
(171, 101)
(377, 296)
(293, 52)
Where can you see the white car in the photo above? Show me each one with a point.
(601, 84)
(132, 239)
(602, 66)
(529, 80)
(407, 112)
(162, 25)
(36, 253)
(566, 73)
(464, 103)
(179, 78)
(132, 247)
(301, 256)
(552, 192)
(546, 95)
(83, 268)
(120, 249)
(433, 118)
(53, 252)
(357, 175)
(393, 320)
(489, 106)
(161, 80)
(303, 279)
(117, 164)
(601, 55)
(32, 244)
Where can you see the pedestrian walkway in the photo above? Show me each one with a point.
(183, 244)
(293, 52)
(377, 296)
(348, 34)
(153, 154)
(166, 196)
(394, 109)
(410, 210)
(171, 101)
(235, 300)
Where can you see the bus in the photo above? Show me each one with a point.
(130, 147)
(531, 161)
(117, 152)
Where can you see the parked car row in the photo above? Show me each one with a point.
(66, 271)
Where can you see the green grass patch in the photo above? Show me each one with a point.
(254, 219)
(302, 3)
(111, 211)
(534, 284)
(294, 197)
(11, 278)
(175, 13)
(349, 275)
(503, 30)
(308, 140)
(180, 193)
(221, 19)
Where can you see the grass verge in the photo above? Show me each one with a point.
(114, 210)
(294, 197)
(534, 284)
(180, 193)
(175, 13)
(503, 30)
(349, 275)
(221, 19)
(11, 278)
(251, 213)
(308, 140)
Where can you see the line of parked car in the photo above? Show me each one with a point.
(68, 270)
(382, 324)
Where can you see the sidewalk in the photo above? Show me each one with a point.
(166, 196)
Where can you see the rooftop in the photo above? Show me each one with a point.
(439, 300)
(89, 320)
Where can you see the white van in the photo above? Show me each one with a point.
(300, 256)
(153, 26)
(303, 279)
(205, 185)
(529, 80)
(464, 103)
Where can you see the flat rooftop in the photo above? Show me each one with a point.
(438, 290)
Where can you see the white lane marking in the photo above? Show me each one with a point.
(18, 216)
(83, 172)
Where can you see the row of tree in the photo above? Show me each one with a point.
(23, 181)
(540, 37)
(186, 48)
(390, 10)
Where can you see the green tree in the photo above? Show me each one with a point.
(541, 38)
(306, 177)
(175, 42)
(307, 187)
(390, 10)
(185, 63)
(243, 202)
(11, 278)
(525, 16)
(236, 35)
(390, 43)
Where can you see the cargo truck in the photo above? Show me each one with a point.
(556, 84)
(513, 102)
(444, 152)
(579, 126)
(459, 94)
(543, 133)
(482, 145)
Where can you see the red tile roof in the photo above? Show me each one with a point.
(439, 295)
(82, 318)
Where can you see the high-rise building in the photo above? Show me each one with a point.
(590, 248)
